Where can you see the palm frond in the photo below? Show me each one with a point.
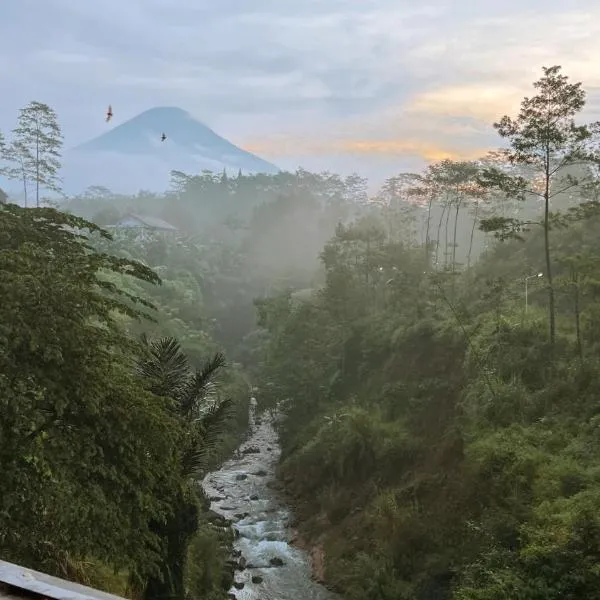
(166, 368)
(198, 387)
(211, 427)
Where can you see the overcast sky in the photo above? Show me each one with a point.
(375, 86)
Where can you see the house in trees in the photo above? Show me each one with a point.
(144, 226)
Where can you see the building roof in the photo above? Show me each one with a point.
(16, 580)
(149, 222)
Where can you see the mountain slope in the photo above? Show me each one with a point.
(131, 156)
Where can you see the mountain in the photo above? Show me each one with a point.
(131, 156)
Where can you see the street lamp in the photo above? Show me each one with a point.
(526, 287)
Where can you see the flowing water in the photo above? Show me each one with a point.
(240, 491)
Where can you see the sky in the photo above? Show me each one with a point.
(372, 86)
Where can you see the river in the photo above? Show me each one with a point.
(240, 491)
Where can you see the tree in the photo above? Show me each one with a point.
(35, 149)
(425, 191)
(2, 154)
(12, 164)
(545, 139)
(456, 181)
(76, 430)
(18, 159)
(400, 207)
(194, 402)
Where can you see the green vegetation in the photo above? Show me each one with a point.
(204, 418)
(442, 422)
(97, 461)
(442, 434)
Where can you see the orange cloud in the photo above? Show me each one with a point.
(418, 129)
(482, 101)
(429, 151)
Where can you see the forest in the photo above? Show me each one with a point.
(433, 348)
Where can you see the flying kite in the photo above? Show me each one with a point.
(109, 113)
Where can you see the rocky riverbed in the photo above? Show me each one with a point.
(243, 491)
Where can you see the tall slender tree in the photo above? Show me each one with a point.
(400, 206)
(35, 151)
(18, 159)
(545, 138)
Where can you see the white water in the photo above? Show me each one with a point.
(262, 521)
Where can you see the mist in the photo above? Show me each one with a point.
(261, 234)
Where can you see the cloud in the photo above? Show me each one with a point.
(375, 80)
(430, 151)
(482, 101)
(467, 83)
(68, 58)
(491, 63)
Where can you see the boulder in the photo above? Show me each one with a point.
(276, 562)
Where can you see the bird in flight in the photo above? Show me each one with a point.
(109, 113)
(163, 137)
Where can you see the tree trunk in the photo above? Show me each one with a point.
(25, 188)
(577, 316)
(37, 170)
(439, 230)
(472, 235)
(551, 307)
(427, 240)
(454, 236)
(446, 253)
(175, 533)
(368, 262)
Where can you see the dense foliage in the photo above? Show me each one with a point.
(95, 459)
(442, 439)
(74, 422)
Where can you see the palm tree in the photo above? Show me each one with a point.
(204, 417)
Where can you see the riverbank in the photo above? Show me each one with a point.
(300, 537)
